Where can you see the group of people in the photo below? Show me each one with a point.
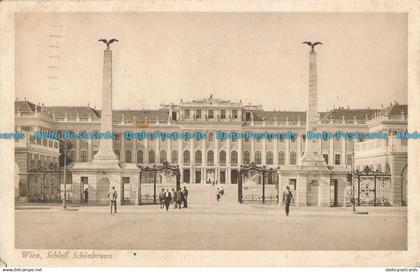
(179, 198)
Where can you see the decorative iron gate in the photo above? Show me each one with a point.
(152, 181)
(258, 183)
(45, 185)
(370, 188)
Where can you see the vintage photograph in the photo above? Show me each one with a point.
(210, 131)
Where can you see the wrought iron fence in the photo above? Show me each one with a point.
(45, 185)
(258, 183)
(150, 186)
(370, 188)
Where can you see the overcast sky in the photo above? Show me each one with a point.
(256, 57)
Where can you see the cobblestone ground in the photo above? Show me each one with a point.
(212, 226)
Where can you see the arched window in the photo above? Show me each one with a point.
(162, 156)
(269, 158)
(210, 157)
(174, 156)
(246, 157)
(258, 157)
(128, 156)
(186, 156)
(282, 158)
(198, 158)
(234, 157)
(139, 156)
(293, 158)
(117, 152)
(151, 156)
(222, 157)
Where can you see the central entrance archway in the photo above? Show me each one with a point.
(102, 190)
(312, 193)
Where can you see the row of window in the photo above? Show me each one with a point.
(186, 158)
(210, 138)
(269, 160)
(43, 141)
(197, 114)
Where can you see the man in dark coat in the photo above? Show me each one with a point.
(179, 197)
(287, 199)
(86, 195)
(185, 200)
(173, 194)
(167, 199)
(112, 196)
(161, 198)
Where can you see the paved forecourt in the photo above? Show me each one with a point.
(212, 226)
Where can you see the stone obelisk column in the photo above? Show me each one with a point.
(311, 155)
(106, 152)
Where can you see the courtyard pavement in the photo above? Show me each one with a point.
(211, 226)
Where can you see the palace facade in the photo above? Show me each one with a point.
(203, 161)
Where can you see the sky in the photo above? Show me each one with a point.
(259, 58)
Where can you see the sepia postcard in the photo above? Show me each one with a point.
(209, 133)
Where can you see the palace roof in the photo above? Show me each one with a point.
(26, 106)
(292, 116)
(349, 114)
(395, 109)
(72, 111)
(151, 115)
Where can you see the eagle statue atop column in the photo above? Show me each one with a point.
(108, 42)
(312, 45)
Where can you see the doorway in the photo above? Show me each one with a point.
(198, 176)
(312, 191)
(333, 193)
(186, 176)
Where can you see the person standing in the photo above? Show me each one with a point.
(185, 192)
(218, 194)
(222, 191)
(112, 196)
(287, 199)
(173, 194)
(179, 197)
(167, 199)
(86, 196)
(161, 198)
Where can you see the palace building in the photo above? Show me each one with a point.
(206, 160)
(316, 169)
